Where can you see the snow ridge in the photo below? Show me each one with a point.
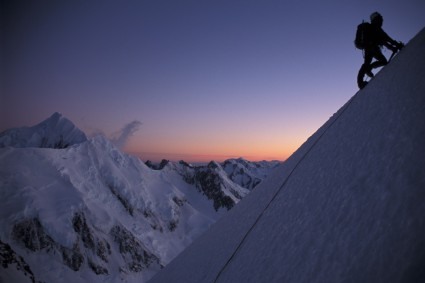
(55, 132)
(89, 212)
(351, 205)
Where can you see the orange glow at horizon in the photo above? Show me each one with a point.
(156, 157)
(217, 150)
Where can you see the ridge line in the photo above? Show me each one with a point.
(281, 187)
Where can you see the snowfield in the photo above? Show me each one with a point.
(347, 206)
(80, 210)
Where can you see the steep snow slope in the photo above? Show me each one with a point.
(89, 212)
(54, 132)
(347, 206)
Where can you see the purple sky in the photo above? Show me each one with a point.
(207, 79)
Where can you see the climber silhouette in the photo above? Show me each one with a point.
(371, 37)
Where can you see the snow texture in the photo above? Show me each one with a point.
(347, 206)
(80, 210)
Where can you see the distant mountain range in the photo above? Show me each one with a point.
(79, 210)
(347, 206)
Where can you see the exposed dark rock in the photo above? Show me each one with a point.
(242, 173)
(122, 199)
(81, 228)
(153, 220)
(150, 164)
(31, 234)
(72, 257)
(98, 269)
(103, 249)
(159, 166)
(213, 165)
(184, 163)
(9, 258)
(189, 177)
(132, 250)
(163, 163)
(100, 247)
(172, 225)
(60, 143)
(178, 201)
(209, 183)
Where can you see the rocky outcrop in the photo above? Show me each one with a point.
(159, 166)
(88, 248)
(123, 200)
(209, 184)
(10, 260)
(99, 247)
(134, 253)
(106, 212)
(223, 183)
(32, 236)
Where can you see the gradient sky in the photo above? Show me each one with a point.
(207, 79)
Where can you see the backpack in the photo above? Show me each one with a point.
(363, 35)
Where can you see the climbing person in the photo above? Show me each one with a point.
(370, 37)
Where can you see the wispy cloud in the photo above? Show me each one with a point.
(122, 136)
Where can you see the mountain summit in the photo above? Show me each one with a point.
(80, 210)
(347, 206)
(54, 132)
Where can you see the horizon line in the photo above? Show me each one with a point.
(197, 158)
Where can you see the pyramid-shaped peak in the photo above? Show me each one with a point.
(56, 117)
(347, 206)
(57, 121)
(54, 132)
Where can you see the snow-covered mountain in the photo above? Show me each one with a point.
(217, 180)
(80, 210)
(347, 206)
(55, 132)
(247, 174)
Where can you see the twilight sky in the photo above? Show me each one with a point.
(206, 79)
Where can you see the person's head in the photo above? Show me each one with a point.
(376, 19)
